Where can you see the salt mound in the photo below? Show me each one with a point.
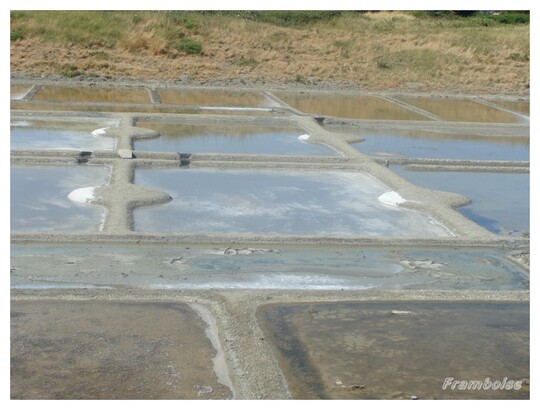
(83, 196)
(100, 131)
(391, 198)
(303, 138)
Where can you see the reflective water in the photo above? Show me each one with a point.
(241, 267)
(19, 91)
(411, 144)
(362, 107)
(276, 202)
(214, 98)
(461, 110)
(523, 107)
(399, 350)
(36, 134)
(110, 350)
(148, 108)
(39, 198)
(500, 202)
(228, 139)
(86, 94)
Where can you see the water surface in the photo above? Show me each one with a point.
(500, 201)
(462, 110)
(411, 144)
(228, 139)
(39, 198)
(47, 134)
(348, 106)
(277, 202)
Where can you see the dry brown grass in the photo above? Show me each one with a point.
(386, 50)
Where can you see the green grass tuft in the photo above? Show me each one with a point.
(189, 46)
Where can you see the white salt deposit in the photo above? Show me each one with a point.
(391, 198)
(303, 138)
(21, 124)
(83, 196)
(100, 131)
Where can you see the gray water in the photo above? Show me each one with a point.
(441, 146)
(39, 198)
(500, 202)
(242, 267)
(277, 202)
(50, 134)
(228, 139)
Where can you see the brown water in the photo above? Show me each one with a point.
(210, 98)
(18, 91)
(364, 351)
(110, 350)
(85, 94)
(238, 138)
(461, 110)
(146, 108)
(361, 107)
(522, 107)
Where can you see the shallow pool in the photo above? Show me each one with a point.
(277, 202)
(500, 202)
(50, 134)
(39, 198)
(462, 110)
(348, 106)
(411, 144)
(228, 139)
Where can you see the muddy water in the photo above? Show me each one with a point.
(461, 110)
(146, 108)
(522, 107)
(210, 98)
(110, 350)
(364, 351)
(19, 91)
(242, 267)
(500, 202)
(83, 94)
(276, 202)
(411, 144)
(228, 139)
(361, 107)
(60, 134)
(39, 198)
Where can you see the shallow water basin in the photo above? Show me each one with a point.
(144, 108)
(461, 110)
(276, 202)
(242, 139)
(18, 91)
(47, 134)
(110, 350)
(522, 107)
(40, 198)
(411, 144)
(86, 94)
(348, 106)
(400, 350)
(214, 98)
(35, 266)
(500, 202)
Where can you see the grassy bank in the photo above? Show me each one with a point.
(418, 50)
